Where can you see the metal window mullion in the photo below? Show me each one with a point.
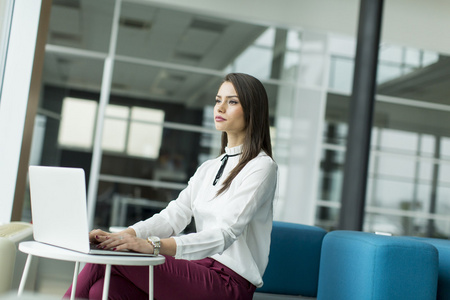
(376, 168)
(415, 197)
(389, 211)
(49, 48)
(104, 99)
(127, 137)
(199, 70)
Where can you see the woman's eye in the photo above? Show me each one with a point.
(233, 102)
(217, 101)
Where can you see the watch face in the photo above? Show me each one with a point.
(155, 241)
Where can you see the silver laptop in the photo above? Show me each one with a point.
(58, 209)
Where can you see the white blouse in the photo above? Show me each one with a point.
(233, 228)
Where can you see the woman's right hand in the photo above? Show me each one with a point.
(96, 236)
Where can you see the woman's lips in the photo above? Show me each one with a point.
(219, 119)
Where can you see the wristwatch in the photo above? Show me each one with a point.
(156, 243)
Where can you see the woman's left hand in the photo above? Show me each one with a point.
(123, 241)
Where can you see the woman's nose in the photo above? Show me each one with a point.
(221, 107)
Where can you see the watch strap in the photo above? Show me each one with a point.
(156, 243)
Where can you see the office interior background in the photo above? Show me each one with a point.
(141, 126)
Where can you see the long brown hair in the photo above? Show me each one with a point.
(255, 104)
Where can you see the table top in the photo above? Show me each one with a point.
(53, 252)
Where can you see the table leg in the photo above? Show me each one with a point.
(24, 275)
(150, 282)
(74, 282)
(106, 283)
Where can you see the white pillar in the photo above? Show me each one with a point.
(17, 88)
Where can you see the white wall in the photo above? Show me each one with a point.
(14, 98)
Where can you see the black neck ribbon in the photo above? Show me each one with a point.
(222, 167)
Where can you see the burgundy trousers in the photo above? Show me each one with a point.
(173, 280)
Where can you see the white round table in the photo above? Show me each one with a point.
(43, 250)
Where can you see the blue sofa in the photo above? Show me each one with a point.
(294, 258)
(443, 248)
(359, 265)
(306, 262)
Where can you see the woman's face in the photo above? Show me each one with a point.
(228, 112)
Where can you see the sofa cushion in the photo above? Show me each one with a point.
(443, 247)
(357, 266)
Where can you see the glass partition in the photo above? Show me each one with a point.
(158, 126)
(6, 8)
(406, 194)
(65, 120)
(167, 66)
(81, 24)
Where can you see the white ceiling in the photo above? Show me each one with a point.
(145, 33)
(414, 23)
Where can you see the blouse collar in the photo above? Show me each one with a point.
(234, 150)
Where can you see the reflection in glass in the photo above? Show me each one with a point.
(390, 193)
(267, 39)
(396, 167)
(77, 123)
(443, 203)
(440, 228)
(413, 74)
(172, 61)
(66, 76)
(81, 24)
(115, 128)
(388, 72)
(145, 139)
(335, 133)
(329, 188)
(73, 72)
(413, 57)
(6, 7)
(375, 222)
(122, 204)
(444, 174)
(391, 53)
(163, 87)
(146, 185)
(187, 38)
(342, 52)
(341, 74)
(331, 175)
(445, 148)
(404, 176)
(327, 217)
(245, 62)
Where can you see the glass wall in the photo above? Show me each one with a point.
(158, 125)
(406, 193)
(5, 23)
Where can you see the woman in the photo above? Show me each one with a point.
(230, 198)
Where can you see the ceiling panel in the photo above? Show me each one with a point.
(430, 84)
(147, 32)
